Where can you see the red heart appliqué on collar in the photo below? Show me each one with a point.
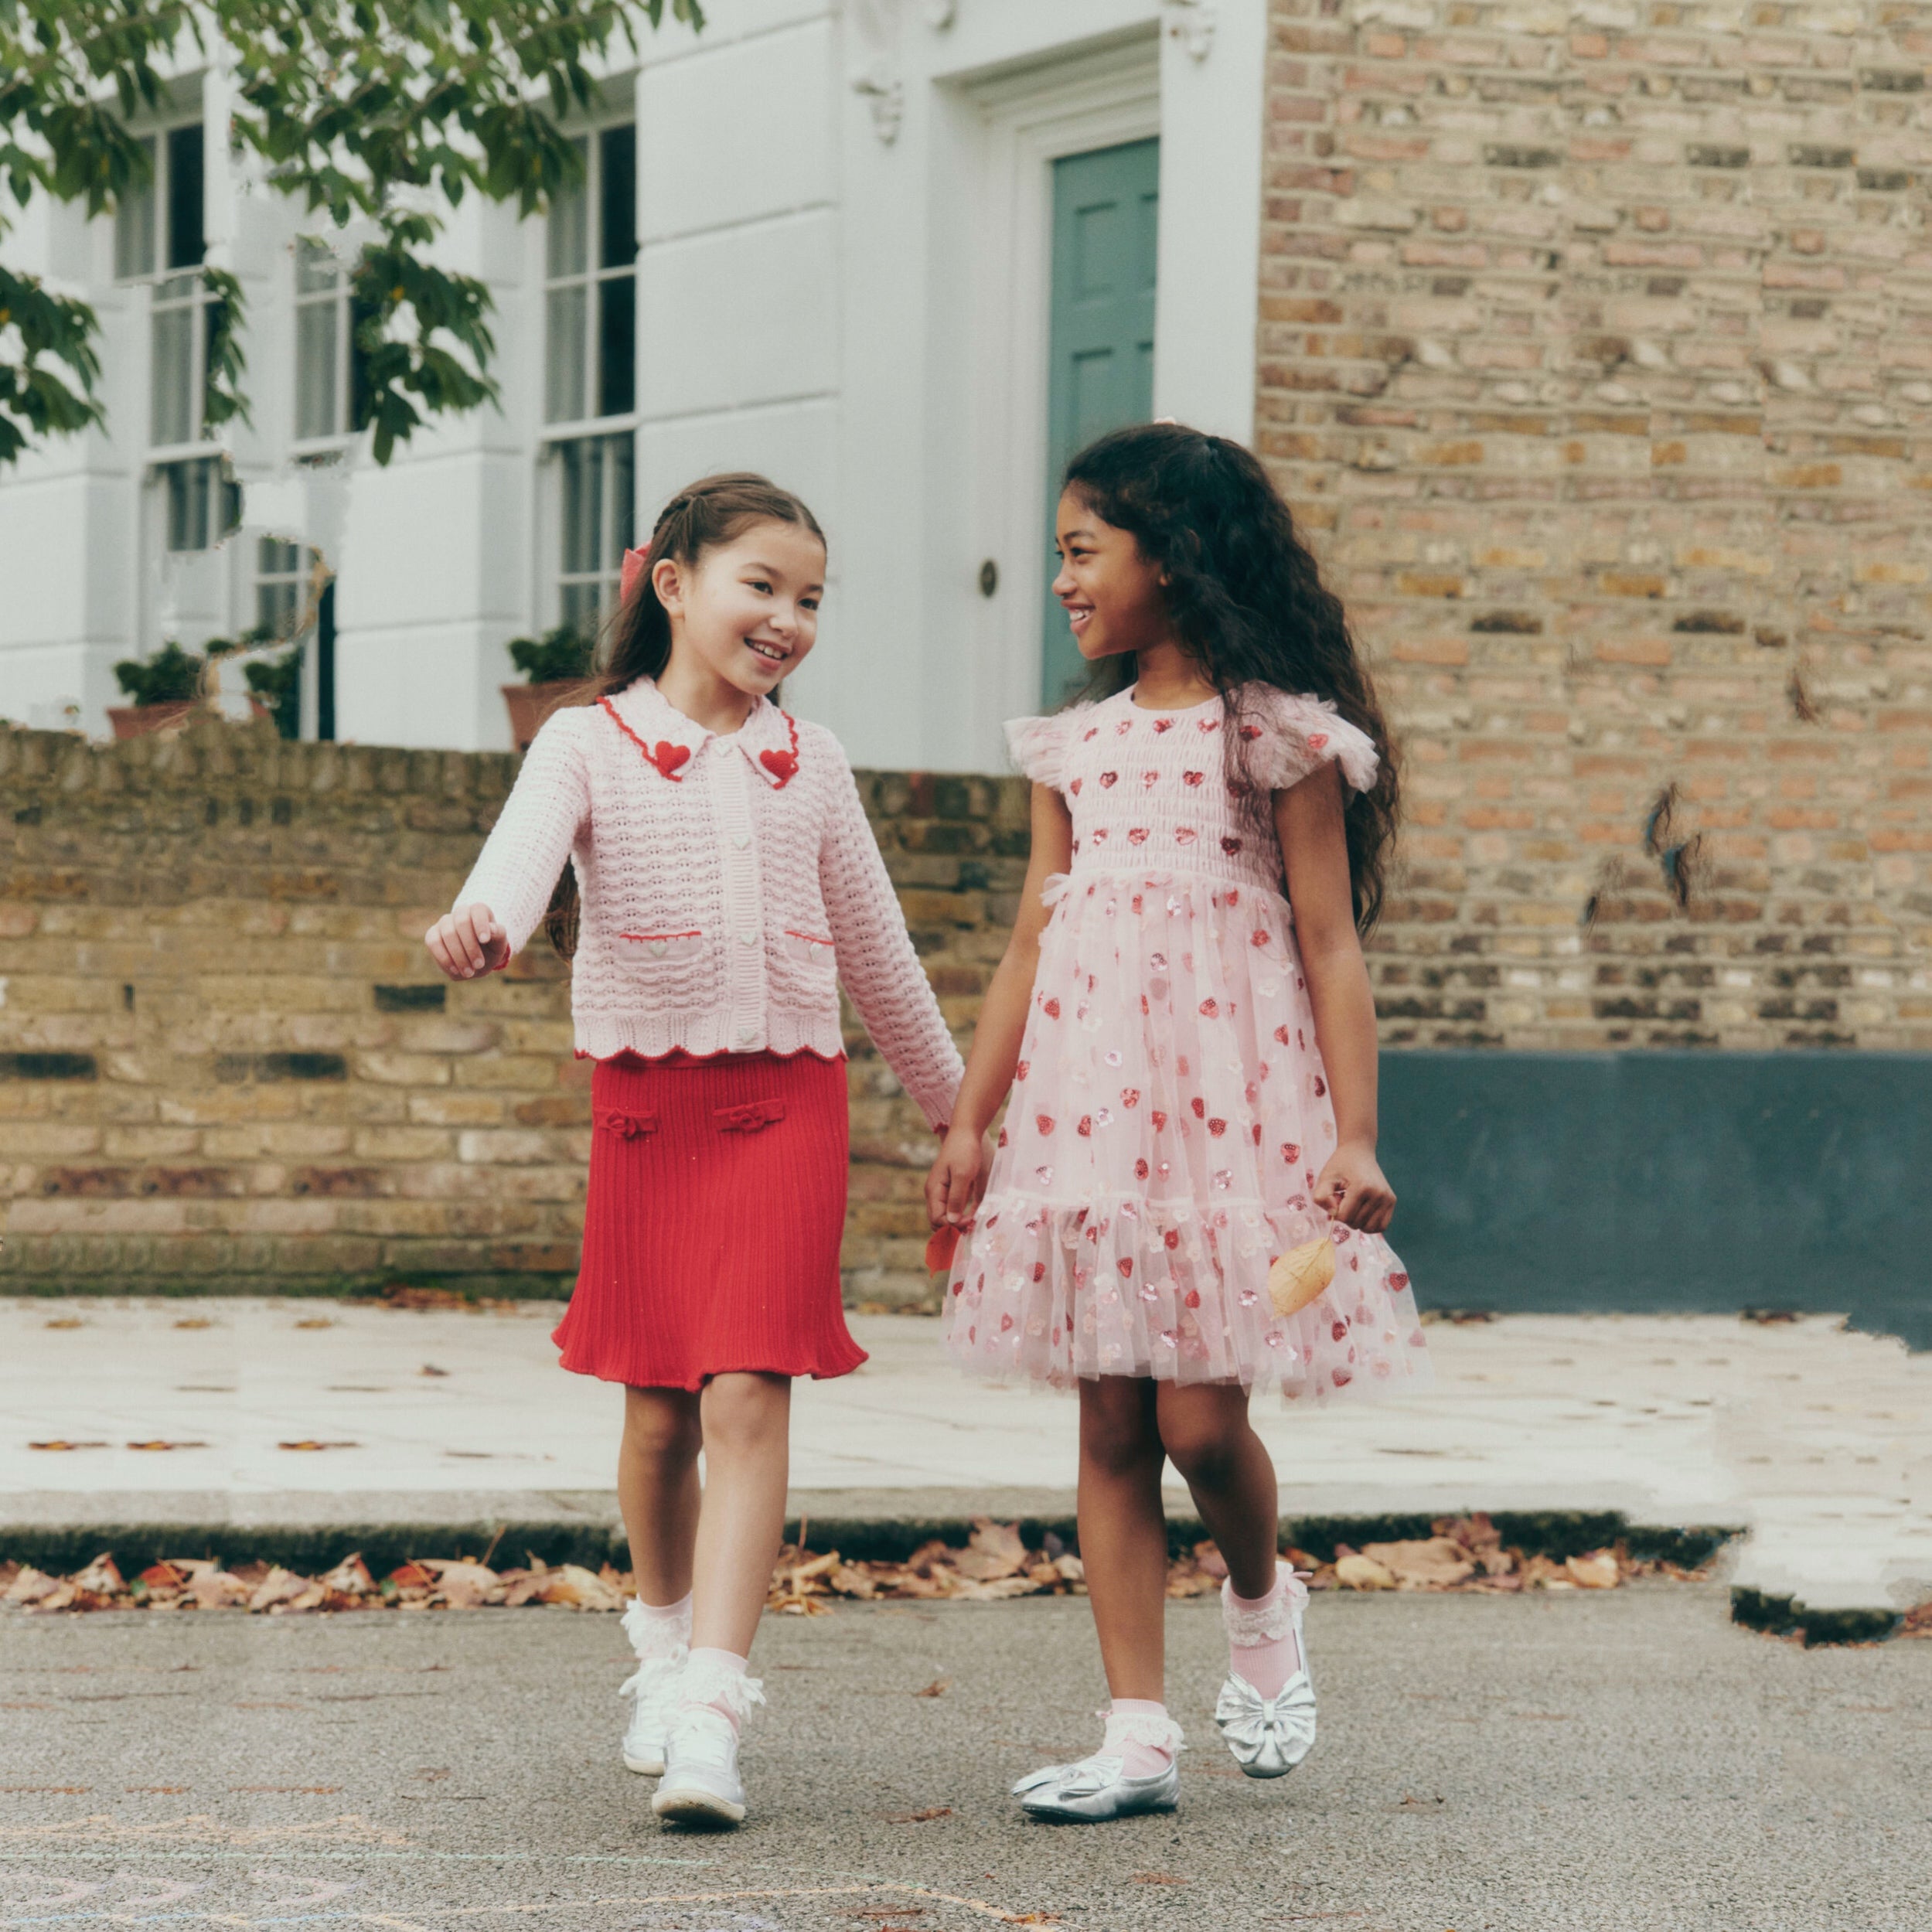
(668, 757)
(780, 765)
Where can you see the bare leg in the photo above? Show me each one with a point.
(1204, 1429)
(657, 1489)
(747, 1421)
(1123, 1533)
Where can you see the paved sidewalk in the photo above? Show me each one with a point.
(1817, 1440)
(1619, 1761)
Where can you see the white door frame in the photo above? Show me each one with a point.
(1026, 122)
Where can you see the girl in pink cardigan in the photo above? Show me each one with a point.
(722, 884)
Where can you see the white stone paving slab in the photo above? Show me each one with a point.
(1819, 1441)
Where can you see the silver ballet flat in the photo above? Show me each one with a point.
(1098, 1788)
(1095, 1790)
(1269, 1736)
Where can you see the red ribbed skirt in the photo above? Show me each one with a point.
(711, 1232)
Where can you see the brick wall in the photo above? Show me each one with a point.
(227, 1064)
(1596, 351)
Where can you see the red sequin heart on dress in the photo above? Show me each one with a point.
(668, 757)
(780, 765)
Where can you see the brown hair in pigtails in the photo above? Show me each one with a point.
(637, 641)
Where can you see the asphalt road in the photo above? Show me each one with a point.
(1626, 1761)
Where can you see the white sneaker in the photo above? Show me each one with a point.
(1097, 1788)
(654, 1683)
(700, 1785)
(659, 1644)
(1269, 1736)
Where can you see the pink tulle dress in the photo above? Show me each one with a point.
(1170, 1111)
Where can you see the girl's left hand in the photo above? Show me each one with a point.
(958, 1179)
(1353, 1189)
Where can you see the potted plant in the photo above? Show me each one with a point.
(164, 688)
(553, 665)
(274, 691)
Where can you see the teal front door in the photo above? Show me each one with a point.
(1106, 208)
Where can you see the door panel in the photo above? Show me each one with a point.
(1105, 227)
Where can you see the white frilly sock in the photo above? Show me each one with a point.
(658, 1630)
(1141, 1734)
(1261, 1632)
(717, 1680)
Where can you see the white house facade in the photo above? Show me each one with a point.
(901, 255)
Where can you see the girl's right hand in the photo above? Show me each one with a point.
(467, 941)
(958, 1179)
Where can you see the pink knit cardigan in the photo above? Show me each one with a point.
(730, 884)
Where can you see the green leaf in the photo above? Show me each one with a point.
(348, 103)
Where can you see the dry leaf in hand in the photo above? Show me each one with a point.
(1296, 1278)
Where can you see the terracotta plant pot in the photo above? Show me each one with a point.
(529, 705)
(137, 720)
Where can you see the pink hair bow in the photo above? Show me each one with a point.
(631, 574)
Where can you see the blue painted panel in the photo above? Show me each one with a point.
(1648, 1182)
(1106, 228)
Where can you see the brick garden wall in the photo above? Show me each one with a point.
(227, 1064)
(1596, 351)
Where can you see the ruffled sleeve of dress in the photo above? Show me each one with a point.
(1038, 745)
(1293, 735)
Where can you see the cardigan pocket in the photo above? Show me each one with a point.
(654, 949)
(809, 949)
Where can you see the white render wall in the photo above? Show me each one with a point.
(863, 317)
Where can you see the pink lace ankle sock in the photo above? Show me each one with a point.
(1261, 1633)
(1133, 1722)
(717, 1678)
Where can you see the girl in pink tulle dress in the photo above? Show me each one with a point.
(1184, 1023)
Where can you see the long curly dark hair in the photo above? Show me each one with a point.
(637, 641)
(1246, 603)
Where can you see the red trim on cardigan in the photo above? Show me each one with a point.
(667, 757)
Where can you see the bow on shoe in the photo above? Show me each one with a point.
(629, 1125)
(1087, 1779)
(1267, 1737)
(750, 1117)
